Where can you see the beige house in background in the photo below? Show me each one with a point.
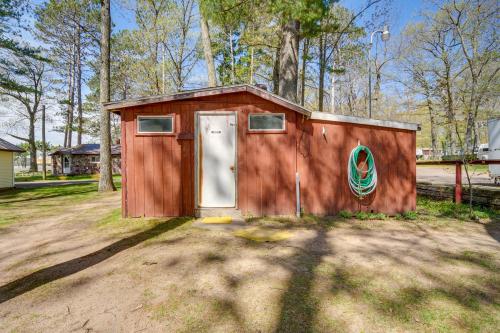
(7, 151)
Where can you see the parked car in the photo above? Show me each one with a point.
(482, 151)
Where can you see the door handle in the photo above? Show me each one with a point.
(231, 168)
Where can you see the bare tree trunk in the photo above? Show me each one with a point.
(251, 66)
(44, 146)
(322, 67)
(32, 144)
(332, 87)
(207, 50)
(106, 172)
(305, 55)
(432, 119)
(231, 49)
(470, 132)
(71, 109)
(450, 113)
(79, 87)
(289, 61)
(70, 105)
(276, 70)
(376, 88)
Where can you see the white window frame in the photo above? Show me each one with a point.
(139, 117)
(283, 129)
(93, 157)
(66, 157)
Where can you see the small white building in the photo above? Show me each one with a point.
(7, 151)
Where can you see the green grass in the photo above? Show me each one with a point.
(427, 207)
(345, 214)
(370, 216)
(114, 224)
(17, 205)
(435, 212)
(37, 176)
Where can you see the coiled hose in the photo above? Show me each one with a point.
(362, 181)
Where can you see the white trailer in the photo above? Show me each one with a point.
(494, 148)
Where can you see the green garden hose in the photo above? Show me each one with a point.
(362, 181)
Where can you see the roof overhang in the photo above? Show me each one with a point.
(13, 150)
(9, 147)
(364, 121)
(206, 92)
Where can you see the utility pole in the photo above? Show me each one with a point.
(385, 37)
(44, 150)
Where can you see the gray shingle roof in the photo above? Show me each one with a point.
(86, 149)
(7, 146)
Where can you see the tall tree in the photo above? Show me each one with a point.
(180, 44)
(297, 18)
(106, 173)
(29, 75)
(207, 50)
(475, 25)
(11, 49)
(70, 30)
(289, 61)
(420, 79)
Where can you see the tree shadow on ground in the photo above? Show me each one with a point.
(493, 229)
(410, 301)
(52, 273)
(299, 307)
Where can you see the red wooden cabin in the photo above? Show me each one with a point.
(242, 147)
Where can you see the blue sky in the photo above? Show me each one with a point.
(122, 11)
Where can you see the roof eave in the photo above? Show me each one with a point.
(206, 92)
(364, 121)
(14, 150)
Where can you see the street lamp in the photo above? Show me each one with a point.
(385, 37)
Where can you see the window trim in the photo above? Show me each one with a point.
(139, 133)
(270, 131)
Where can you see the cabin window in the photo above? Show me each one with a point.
(155, 124)
(95, 159)
(266, 122)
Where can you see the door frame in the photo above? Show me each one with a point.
(197, 162)
(69, 163)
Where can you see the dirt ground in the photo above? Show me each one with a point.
(85, 270)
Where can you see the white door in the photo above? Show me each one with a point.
(216, 160)
(66, 164)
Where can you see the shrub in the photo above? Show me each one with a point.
(410, 215)
(345, 214)
(370, 216)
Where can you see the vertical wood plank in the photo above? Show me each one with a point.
(190, 113)
(176, 166)
(185, 162)
(139, 175)
(130, 156)
(148, 176)
(167, 165)
(242, 185)
(158, 178)
(123, 160)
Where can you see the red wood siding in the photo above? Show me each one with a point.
(323, 159)
(159, 171)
